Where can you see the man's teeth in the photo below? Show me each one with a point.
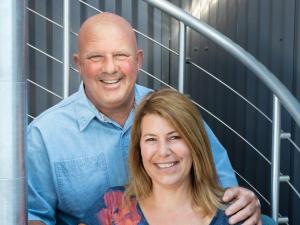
(110, 81)
(165, 165)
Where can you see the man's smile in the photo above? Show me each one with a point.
(110, 81)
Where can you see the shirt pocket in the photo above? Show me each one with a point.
(79, 182)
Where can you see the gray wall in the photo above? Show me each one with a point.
(269, 29)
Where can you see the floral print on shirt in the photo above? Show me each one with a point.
(116, 212)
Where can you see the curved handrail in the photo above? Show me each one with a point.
(207, 111)
(168, 49)
(270, 80)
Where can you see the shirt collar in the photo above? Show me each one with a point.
(86, 110)
(83, 109)
(138, 96)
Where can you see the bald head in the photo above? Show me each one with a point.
(105, 23)
(108, 62)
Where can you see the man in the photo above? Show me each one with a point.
(78, 148)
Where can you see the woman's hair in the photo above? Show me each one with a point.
(183, 115)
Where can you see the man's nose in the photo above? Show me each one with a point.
(109, 65)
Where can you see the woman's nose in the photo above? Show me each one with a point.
(164, 149)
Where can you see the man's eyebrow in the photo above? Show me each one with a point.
(121, 50)
(92, 54)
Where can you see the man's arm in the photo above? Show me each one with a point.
(245, 206)
(41, 193)
(223, 166)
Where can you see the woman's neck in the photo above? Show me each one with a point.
(164, 197)
(173, 206)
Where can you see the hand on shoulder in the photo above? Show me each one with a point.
(244, 207)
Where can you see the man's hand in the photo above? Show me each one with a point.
(245, 206)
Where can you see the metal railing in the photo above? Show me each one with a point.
(186, 20)
(171, 51)
(280, 91)
(66, 63)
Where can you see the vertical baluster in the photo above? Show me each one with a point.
(181, 67)
(275, 158)
(66, 36)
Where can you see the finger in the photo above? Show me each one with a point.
(236, 206)
(230, 194)
(253, 220)
(250, 221)
(248, 215)
(259, 222)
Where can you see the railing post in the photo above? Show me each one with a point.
(66, 36)
(13, 110)
(275, 158)
(181, 66)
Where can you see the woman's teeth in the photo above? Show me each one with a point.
(165, 165)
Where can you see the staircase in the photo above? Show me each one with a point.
(168, 36)
(237, 95)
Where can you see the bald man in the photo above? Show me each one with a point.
(77, 149)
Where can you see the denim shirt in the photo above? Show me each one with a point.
(72, 158)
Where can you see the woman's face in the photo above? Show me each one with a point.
(166, 157)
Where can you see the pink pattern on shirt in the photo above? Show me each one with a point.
(116, 212)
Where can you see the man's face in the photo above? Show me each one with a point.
(108, 61)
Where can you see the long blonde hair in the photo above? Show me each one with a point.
(184, 116)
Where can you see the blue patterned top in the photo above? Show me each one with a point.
(110, 210)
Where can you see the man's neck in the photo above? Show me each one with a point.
(120, 114)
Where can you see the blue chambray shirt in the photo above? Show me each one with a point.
(75, 153)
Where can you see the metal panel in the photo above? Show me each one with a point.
(295, 131)
(270, 31)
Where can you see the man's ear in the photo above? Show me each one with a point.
(140, 58)
(76, 60)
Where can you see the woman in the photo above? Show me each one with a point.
(172, 174)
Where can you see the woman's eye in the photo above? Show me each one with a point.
(174, 137)
(150, 139)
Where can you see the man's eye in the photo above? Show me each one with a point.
(95, 58)
(121, 56)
